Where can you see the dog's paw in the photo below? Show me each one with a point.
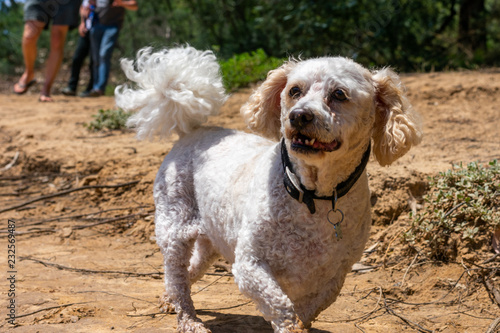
(295, 326)
(192, 326)
(165, 305)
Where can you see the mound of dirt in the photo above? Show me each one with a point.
(86, 259)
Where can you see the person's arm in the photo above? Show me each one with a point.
(127, 4)
(84, 10)
(84, 13)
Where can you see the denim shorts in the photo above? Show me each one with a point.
(59, 12)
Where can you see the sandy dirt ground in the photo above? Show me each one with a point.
(87, 261)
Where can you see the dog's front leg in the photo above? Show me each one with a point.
(255, 279)
(311, 306)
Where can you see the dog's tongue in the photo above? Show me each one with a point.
(328, 146)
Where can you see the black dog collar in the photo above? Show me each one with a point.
(301, 194)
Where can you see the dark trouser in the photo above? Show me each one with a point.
(81, 52)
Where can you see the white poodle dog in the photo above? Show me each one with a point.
(288, 206)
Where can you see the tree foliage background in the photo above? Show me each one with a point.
(408, 35)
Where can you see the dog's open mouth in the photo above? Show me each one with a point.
(304, 143)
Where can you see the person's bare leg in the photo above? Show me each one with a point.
(57, 39)
(31, 33)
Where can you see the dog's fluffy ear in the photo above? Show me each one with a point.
(263, 109)
(397, 125)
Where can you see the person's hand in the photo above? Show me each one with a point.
(118, 3)
(82, 29)
(84, 11)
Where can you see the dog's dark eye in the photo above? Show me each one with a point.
(339, 95)
(295, 92)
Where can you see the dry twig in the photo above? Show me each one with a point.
(77, 227)
(153, 314)
(408, 268)
(406, 320)
(492, 291)
(83, 216)
(487, 261)
(384, 261)
(211, 283)
(11, 164)
(113, 294)
(156, 275)
(58, 194)
(49, 308)
(438, 301)
(365, 316)
(374, 310)
(4, 233)
(494, 325)
(110, 220)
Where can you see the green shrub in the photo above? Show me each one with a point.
(460, 212)
(108, 119)
(243, 69)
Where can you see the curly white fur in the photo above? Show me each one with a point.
(177, 90)
(220, 191)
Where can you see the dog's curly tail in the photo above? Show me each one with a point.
(175, 90)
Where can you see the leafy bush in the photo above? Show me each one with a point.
(407, 35)
(108, 119)
(243, 69)
(461, 211)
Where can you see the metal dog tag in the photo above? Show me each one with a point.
(338, 230)
(336, 226)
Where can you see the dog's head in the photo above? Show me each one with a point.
(332, 105)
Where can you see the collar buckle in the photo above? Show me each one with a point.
(295, 182)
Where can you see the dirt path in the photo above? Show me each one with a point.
(86, 259)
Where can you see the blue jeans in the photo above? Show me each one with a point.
(103, 39)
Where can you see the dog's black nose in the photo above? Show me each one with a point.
(300, 117)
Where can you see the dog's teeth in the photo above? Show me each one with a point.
(312, 141)
(306, 142)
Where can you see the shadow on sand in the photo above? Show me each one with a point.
(232, 323)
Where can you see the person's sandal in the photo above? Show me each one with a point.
(24, 87)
